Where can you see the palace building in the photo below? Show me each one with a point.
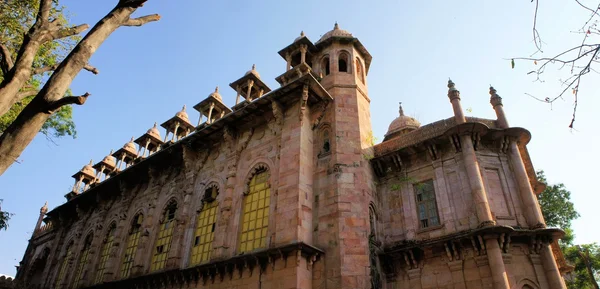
(286, 189)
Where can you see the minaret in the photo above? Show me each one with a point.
(454, 96)
(496, 102)
(43, 211)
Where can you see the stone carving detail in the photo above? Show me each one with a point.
(304, 102)
(322, 109)
(228, 138)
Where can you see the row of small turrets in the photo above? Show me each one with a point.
(250, 87)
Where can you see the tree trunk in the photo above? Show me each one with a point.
(26, 126)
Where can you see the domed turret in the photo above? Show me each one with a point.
(154, 131)
(401, 125)
(253, 71)
(182, 114)
(109, 159)
(216, 94)
(88, 169)
(336, 32)
(130, 147)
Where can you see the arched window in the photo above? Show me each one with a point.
(326, 142)
(359, 70)
(373, 220)
(165, 234)
(343, 62)
(133, 239)
(64, 266)
(205, 227)
(83, 259)
(325, 65)
(105, 252)
(255, 216)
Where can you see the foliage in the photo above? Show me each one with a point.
(557, 208)
(578, 256)
(559, 211)
(16, 16)
(4, 218)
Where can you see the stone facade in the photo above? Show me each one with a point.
(287, 190)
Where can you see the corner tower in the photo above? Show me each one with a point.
(344, 178)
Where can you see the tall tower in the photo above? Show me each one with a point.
(344, 174)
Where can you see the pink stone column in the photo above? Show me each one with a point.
(531, 209)
(499, 275)
(482, 207)
(496, 102)
(551, 271)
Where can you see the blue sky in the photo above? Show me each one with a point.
(148, 73)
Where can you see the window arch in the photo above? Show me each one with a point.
(255, 214)
(105, 252)
(133, 240)
(165, 235)
(64, 265)
(83, 259)
(325, 65)
(325, 135)
(343, 62)
(373, 220)
(205, 226)
(359, 70)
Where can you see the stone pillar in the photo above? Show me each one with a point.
(496, 102)
(531, 208)
(210, 110)
(248, 95)
(303, 49)
(456, 269)
(482, 207)
(288, 60)
(539, 269)
(499, 275)
(454, 96)
(43, 211)
(555, 280)
(237, 97)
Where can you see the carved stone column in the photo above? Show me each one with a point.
(555, 280)
(496, 262)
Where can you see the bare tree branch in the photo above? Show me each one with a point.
(23, 94)
(141, 20)
(79, 100)
(66, 32)
(44, 12)
(7, 63)
(44, 69)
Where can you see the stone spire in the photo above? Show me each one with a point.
(496, 102)
(454, 96)
(44, 209)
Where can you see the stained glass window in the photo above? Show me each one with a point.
(205, 228)
(132, 243)
(163, 243)
(105, 253)
(64, 266)
(83, 259)
(255, 218)
(426, 205)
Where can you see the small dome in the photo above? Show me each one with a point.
(402, 123)
(216, 94)
(336, 32)
(154, 132)
(253, 71)
(88, 169)
(130, 147)
(182, 114)
(109, 159)
(302, 35)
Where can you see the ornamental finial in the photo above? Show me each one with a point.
(44, 209)
(401, 110)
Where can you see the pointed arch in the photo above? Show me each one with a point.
(83, 260)
(255, 210)
(359, 70)
(133, 240)
(526, 283)
(165, 236)
(325, 65)
(107, 244)
(64, 267)
(205, 225)
(344, 63)
(373, 219)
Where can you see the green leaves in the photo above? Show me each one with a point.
(4, 217)
(16, 17)
(512, 63)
